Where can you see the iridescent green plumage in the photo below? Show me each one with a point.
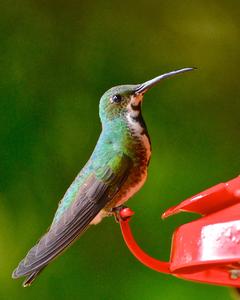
(117, 140)
(116, 169)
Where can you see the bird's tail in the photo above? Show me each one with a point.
(31, 277)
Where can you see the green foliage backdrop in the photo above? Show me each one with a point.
(56, 60)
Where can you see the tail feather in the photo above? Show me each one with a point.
(31, 277)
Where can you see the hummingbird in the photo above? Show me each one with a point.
(116, 170)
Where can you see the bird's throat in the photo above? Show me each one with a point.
(134, 117)
(138, 130)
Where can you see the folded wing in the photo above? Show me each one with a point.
(98, 189)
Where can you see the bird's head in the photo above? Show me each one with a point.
(122, 100)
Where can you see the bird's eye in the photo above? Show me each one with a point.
(116, 98)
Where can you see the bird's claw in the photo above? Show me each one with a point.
(122, 213)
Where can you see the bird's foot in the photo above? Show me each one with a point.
(121, 213)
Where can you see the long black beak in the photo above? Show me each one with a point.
(144, 87)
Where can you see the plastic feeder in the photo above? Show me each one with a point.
(206, 250)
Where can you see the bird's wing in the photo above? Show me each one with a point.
(98, 189)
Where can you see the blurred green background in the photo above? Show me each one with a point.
(56, 59)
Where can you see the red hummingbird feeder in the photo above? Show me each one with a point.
(206, 250)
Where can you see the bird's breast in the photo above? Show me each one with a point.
(139, 149)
